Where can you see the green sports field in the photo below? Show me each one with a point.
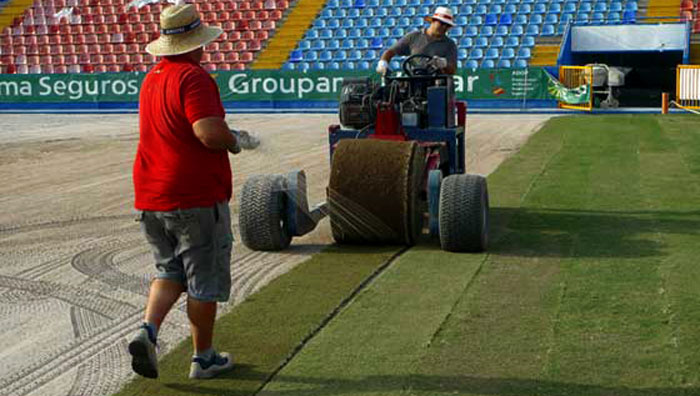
(591, 286)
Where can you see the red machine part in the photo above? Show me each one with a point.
(388, 125)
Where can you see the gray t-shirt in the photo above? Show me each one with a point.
(419, 42)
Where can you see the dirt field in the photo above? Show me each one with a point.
(74, 269)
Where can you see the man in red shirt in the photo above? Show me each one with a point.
(182, 183)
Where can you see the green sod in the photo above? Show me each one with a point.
(590, 287)
(266, 328)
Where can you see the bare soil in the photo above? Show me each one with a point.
(74, 268)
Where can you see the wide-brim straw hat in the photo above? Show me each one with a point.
(442, 14)
(181, 31)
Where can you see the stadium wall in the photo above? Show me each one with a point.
(259, 90)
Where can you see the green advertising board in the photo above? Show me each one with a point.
(257, 86)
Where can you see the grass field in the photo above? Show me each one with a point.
(591, 287)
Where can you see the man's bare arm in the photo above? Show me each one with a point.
(214, 134)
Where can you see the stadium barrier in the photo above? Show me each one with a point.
(688, 86)
(260, 89)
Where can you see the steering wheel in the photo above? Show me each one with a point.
(419, 65)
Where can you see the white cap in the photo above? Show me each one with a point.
(442, 14)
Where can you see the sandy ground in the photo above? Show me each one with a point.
(74, 268)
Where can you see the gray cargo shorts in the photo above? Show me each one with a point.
(193, 247)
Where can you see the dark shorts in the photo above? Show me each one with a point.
(193, 247)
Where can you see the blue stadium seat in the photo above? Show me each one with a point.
(311, 34)
(397, 32)
(551, 19)
(465, 42)
(465, 10)
(369, 32)
(348, 23)
(512, 41)
(391, 41)
(362, 43)
(349, 65)
(355, 33)
(510, 9)
(548, 30)
(508, 53)
(395, 64)
(414, 3)
(584, 7)
(491, 53)
(327, 13)
(340, 33)
(517, 30)
(536, 19)
(334, 66)
(340, 13)
(389, 21)
(488, 64)
(504, 63)
(505, 19)
(497, 42)
(495, 9)
(303, 66)
(561, 29)
(629, 16)
(472, 64)
(304, 44)
(296, 56)
(472, 31)
(310, 56)
(631, 5)
(582, 17)
(567, 17)
(424, 10)
(600, 7)
(333, 4)
(540, 8)
(348, 43)
(461, 20)
(524, 53)
(528, 41)
(481, 42)
(555, 7)
(409, 11)
(340, 55)
(501, 30)
(326, 33)
(404, 22)
(382, 12)
(370, 55)
(616, 6)
(396, 12)
(477, 53)
(456, 31)
(486, 31)
(462, 53)
(570, 7)
(525, 9)
(363, 65)
(318, 66)
(333, 23)
(491, 19)
(355, 55)
(597, 17)
(376, 22)
(288, 66)
(481, 9)
(400, 3)
(417, 21)
(333, 44)
(376, 43)
(520, 63)
(521, 19)
(359, 4)
(475, 20)
(362, 23)
(367, 12)
(613, 17)
(318, 44)
(345, 3)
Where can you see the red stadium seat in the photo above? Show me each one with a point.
(107, 48)
(133, 48)
(231, 6)
(72, 60)
(123, 59)
(127, 68)
(44, 49)
(210, 67)
(206, 57)
(20, 60)
(248, 35)
(87, 68)
(244, 5)
(262, 15)
(212, 47)
(232, 57)
(261, 35)
(269, 25)
(100, 69)
(282, 4)
(136, 59)
(254, 45)
(101, 29)
(33, 60)
(114, 68)
(56, 49)
(246, 57)
(687, 5)
(122, 19)
(96, 59)
(141, 68)
(223, 66)
(45, 60)
(239, 66)
(257, 5)
(33, 49)
(217, 57)
(686, 15)
(54, 39)
(219, 6)
(242, 25)
(68, 48)
(240, 46)
(226, 46)
(119, 48)
(88, 29)
(60, 69)
(94, 48)
(249, 15)
(234, 35)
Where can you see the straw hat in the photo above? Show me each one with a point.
(181, 31)
(442, 14)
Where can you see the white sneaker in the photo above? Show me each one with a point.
(143, 354)
(220, 362)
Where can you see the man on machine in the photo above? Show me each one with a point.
(432, 42)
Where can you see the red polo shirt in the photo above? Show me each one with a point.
(173, 169)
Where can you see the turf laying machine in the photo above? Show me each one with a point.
(397, 172)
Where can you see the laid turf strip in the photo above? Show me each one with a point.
(591, 285)
(266, 328)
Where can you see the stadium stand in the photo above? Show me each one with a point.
(58, 36)
(489, 33)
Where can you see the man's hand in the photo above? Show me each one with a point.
(236, 148)
(439, 62)
(382, 67)
(215, 134)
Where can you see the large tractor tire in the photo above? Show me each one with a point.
(262, 213)
(464, 213)
(374, 192)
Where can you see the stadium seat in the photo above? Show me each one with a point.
(524, 53)
(520, 63)
(508, 53)
(629, 16)
(481, 42)
(504, 63)
(472, 64)
(488, 64)
(296, 56)
(548, 30)
(476, 53)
